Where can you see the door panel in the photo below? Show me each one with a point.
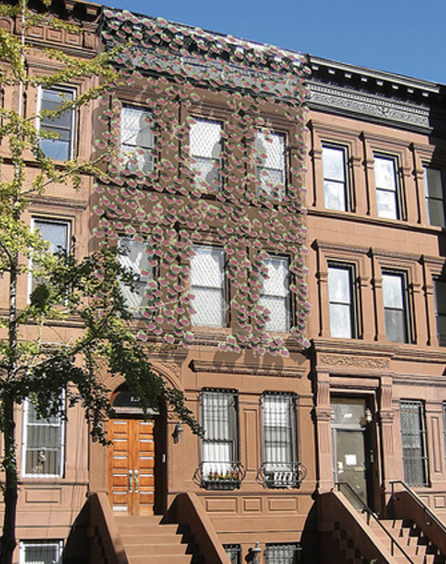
(145, 466)
(350, 461)
(119, 464)
(350, 431)
(131, 466)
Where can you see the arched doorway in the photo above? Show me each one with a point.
(136, 457)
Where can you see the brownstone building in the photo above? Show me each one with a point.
(376, 225)
(359, 402)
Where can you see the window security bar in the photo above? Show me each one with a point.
(288, 553)
(233, 551)
(282, 475)
(219, 475)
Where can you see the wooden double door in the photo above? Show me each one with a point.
(131, 466)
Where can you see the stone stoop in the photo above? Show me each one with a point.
(348, 552)
(417, 545)
(148, 541)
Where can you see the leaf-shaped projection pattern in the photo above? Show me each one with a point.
(256, 205)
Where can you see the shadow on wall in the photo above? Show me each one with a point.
(76, 548)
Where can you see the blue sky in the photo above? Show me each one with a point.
(406, 37)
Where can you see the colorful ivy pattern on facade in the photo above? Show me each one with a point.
(174, 69)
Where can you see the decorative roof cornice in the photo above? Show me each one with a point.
(222, 61)
(377, 96)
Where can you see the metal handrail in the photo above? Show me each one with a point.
(426, 510)
(370, 513)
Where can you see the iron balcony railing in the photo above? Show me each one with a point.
(281, 475)
(219, 475)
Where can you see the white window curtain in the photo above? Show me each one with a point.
(219, 444)
(270, 163)
(205, 151)
(207, 285)
(136, 259)
(137, 139)
(43, 444)
(275, 294)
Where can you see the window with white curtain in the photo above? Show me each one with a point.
(137, 140)
(40, 552)
(219, 444)
(43, 444)
(287, 553)
(279, 439)
(136, 259)
(270, 164)
(205, 151)
(275, 295)
(208, 286)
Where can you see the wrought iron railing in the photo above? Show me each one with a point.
(219, 475)
(370, 515)
(428, 515)
(281, 475)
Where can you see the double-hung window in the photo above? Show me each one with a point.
(335, 178)
(440, 311)
(387, 187)
(43, 444)
(40, 552)
(279, 440)
(137, 140)
(270, 164)
(205, 152)
(341, 295)
(57, 234)
(433, 189)
(208, 286)
(219, 453)
(396, 311)
(135, 258)
(414, 445)
(275, 294)
(287, 553)
(60, 143)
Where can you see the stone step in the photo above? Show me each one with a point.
(138, 519)
(147, 540)
(159, 538)
(163, 530)
(158, 549)
(161, 559)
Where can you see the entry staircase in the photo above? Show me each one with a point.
(185, 535)
(355, 535)
(147, 540)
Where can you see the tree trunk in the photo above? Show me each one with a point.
(10, 494)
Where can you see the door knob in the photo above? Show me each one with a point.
(136, 481)
(130, 481)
